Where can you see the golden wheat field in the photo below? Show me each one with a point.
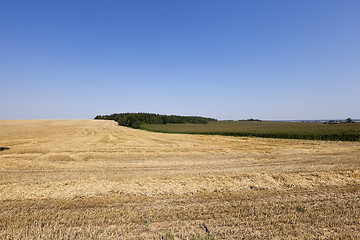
(92, 179)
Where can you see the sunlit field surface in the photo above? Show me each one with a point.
(92, 179)
(268, 129)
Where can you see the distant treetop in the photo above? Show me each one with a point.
(135, 120)
(252, 120)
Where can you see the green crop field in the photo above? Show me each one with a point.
(271, 129)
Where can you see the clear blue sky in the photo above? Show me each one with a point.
(266, 59)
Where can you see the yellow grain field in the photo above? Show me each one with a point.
(92, 179)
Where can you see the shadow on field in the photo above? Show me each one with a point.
(4, 148)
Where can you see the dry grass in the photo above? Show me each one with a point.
(85, 179)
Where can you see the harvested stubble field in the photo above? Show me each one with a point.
(91, 179)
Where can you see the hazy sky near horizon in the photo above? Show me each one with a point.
(267, 59)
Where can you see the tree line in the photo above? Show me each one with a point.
(135, 120)
(348, 120)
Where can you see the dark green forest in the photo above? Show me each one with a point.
(135, 120)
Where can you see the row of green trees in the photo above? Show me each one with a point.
(135, 120)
